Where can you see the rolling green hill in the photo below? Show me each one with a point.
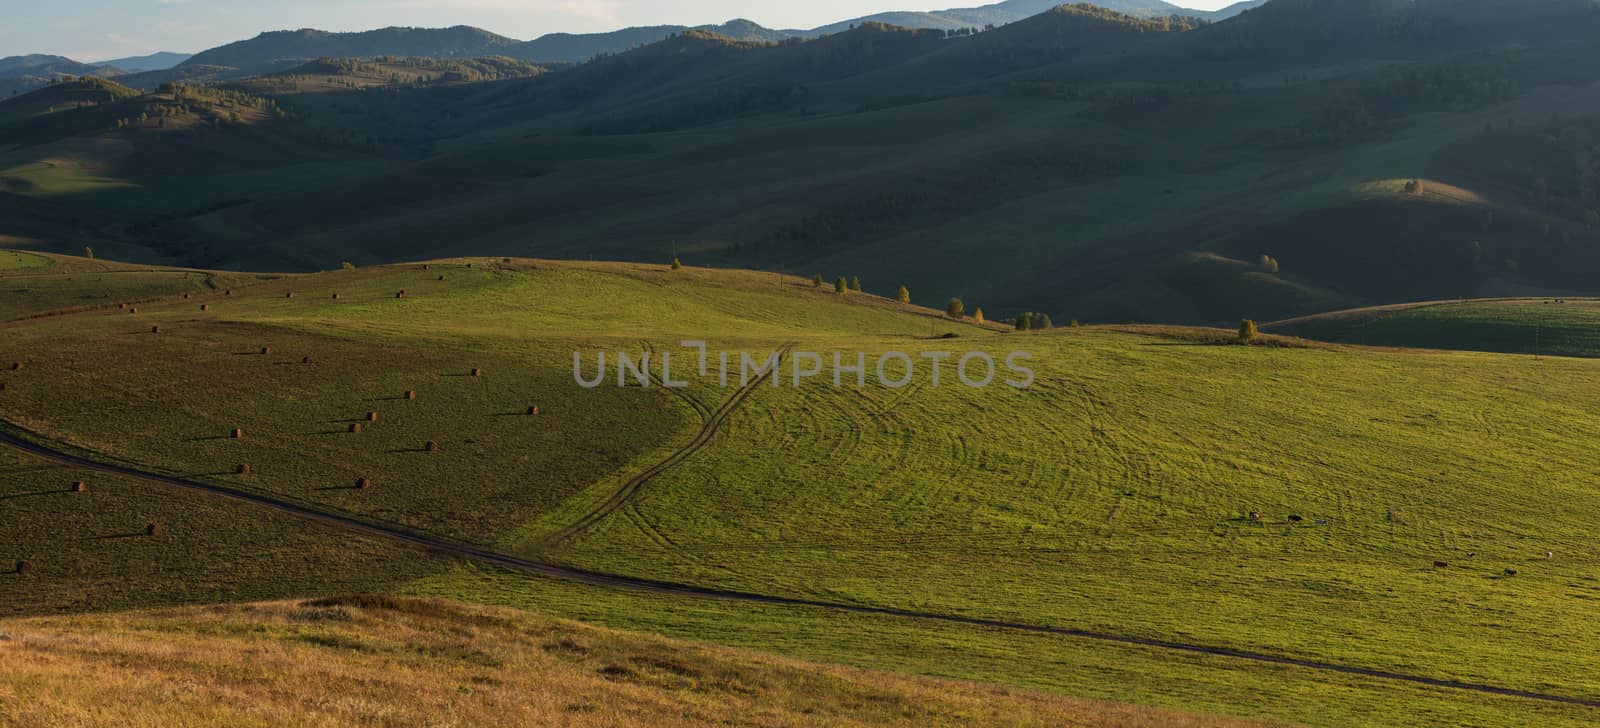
(1542, 326)
(1091, 535)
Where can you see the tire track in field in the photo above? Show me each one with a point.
(639, 584)
(713, 421)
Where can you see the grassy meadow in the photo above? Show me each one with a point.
(1115, 495)
(435, 663)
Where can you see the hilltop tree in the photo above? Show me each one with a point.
(677, 264)
(1414, 187)
(1042, 322)
(977, 317)
(88, 252)
(955, 308)
(855, 283)
(816, 280)
(1025, 322)
(904, 296)
(1269, 264)
(1247, 331)
(840, 286)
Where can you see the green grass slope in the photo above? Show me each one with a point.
(1536, 326)
(1114, 496)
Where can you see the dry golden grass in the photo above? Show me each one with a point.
(375, 660)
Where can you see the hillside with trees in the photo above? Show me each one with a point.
(1128, 168)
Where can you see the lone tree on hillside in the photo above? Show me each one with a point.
(955, 308)
(1414, 187)
(855, 283)
(1025, 322)
(904, 296)
(1247, 331)
(816, 280)
(840, 286)
(977, 316)
(1269, 264)
(1042, 321)
(677, 264)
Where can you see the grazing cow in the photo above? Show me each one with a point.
(1441, 564)
(1549, 554)
(1472, 554)
(1511, 572)
(1322, 521)
(1295, 519)
(1255, 516)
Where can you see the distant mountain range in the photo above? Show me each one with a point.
(273, 48)
(19, 74)
(579, 47)
(154, 62)
(277, 50)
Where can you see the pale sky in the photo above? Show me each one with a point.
(92, 30)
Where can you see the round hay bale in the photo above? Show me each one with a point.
(237, 434)
(122, 307)
(16, 366)
(243, 469)
(477, 372)
(23, 567)
(441, 278)
(431, 446)
(155, 329)
(401, 294)
(290, 294)
(153, 529)
(372, 416)
(425, 266)
(355, 427)
(228, 292)
(186, 296)
(80, 487)
(205, 307)
(411, 394)
(363, 484)
(335, 296)
(533, 410)
(305, 360)
(265, 350)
